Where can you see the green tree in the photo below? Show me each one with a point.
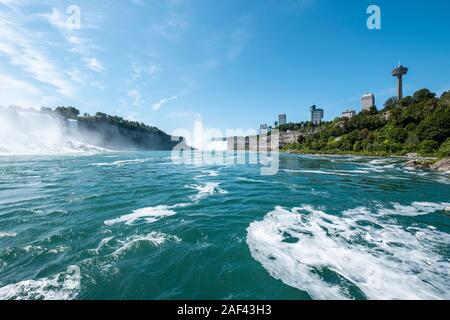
(390, 103)
(68, 112)
(428, 147)
(444, 150)
(423, 94)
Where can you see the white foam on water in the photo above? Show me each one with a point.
(379, 165)
(415, 209)
(257, 180)
(58, 287)
(120, 163)
(154, 238)
(334, 173)
(357, 171)
(150, 214)
(206, 190)
(333, 257)
(102, 244)
(7, 234)
(154, 214)
(250, 180)
(209, 173)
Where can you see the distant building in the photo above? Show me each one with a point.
(282, 119)
(316, 115)
(367, 101)
(263, 129)
(348, 114)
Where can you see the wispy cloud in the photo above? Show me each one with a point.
(135, 95)
(139, 70)
(173, 25)
(78, 44)
(94, 64)
(158, 105)
(18, 45)
(227, 44)
(184, 115)
(56, 19)
(18, 92)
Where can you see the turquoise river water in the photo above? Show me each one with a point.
(137, 226)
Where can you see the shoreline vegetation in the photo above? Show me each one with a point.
(416, 127)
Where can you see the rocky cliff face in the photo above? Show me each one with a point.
(112, 136)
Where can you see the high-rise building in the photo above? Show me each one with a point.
(367, 101)
(282, 119)
(316, 115)
(349, 113)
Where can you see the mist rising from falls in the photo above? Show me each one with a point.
(27, 131)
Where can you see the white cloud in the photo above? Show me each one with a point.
(97, 85)
(158, 105)
(184, 114)
(57, 19)
(94, 64)
(137, 70)
(19, 92)
(80, 45)
(135, 95)
(226, 45)
(17, 44)
(175, 23)
(12, 4)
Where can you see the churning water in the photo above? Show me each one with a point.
(138, 226)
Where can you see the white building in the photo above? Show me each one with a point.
(282, 119)
(367, 101)
(348, 114)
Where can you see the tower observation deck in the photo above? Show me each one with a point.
(399, 72)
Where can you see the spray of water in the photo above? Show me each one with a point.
(27, 131)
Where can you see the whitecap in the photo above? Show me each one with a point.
(206, 190)
(61, 286)
(307, 248)
(154, 214)
(7, 234)
(250, 180)
(209, 173)
(154, 238)
(150, 214)
(415, 209)
(119, 162)
(335, 173)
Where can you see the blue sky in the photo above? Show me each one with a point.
(234, 64)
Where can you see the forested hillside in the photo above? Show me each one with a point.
(416, 124)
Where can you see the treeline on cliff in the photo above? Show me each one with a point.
(415, 124)
(116, 132)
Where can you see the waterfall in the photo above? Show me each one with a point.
(28, 131)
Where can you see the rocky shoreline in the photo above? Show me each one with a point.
(442, 165)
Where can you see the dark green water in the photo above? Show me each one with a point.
(137, 226)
